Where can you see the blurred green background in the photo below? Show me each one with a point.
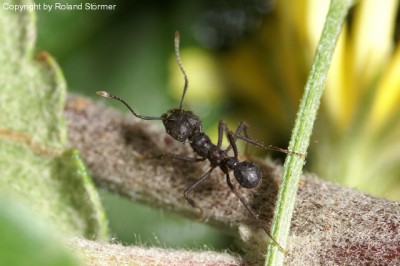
(130, 52)
(246, 61)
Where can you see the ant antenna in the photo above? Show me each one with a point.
(178, 59)
(109, 95)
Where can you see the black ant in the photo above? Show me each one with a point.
(184, 126)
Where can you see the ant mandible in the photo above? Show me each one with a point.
(185, 126)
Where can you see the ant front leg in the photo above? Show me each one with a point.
(252, 213)
(193, 187)
(181, 157)
(175, 157)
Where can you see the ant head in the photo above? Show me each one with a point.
(247, 174)
(181, 124)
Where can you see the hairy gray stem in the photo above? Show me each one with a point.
(331, 225)
(95, 253)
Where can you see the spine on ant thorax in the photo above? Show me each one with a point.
(202, 146)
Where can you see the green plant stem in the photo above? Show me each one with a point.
(302, 130)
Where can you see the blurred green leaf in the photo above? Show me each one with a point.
(26, 241)
(33, 135)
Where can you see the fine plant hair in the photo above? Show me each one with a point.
(331, 225)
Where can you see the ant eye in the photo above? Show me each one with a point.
(247, 174)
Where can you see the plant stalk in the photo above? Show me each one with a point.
(302, 130)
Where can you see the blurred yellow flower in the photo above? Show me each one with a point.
(205, 84)
(356, 138)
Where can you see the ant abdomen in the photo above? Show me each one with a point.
(247, 174)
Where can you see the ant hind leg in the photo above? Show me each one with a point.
(252, 213)
(244, 127)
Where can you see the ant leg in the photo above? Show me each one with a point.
(221, 129)
(268, 147)
(253, 214)
(194, 186)
(232, 145)
(244, 127)
(241, 127)
(181, 157)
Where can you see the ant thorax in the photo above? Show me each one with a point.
(201, 145)
(181, 124)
